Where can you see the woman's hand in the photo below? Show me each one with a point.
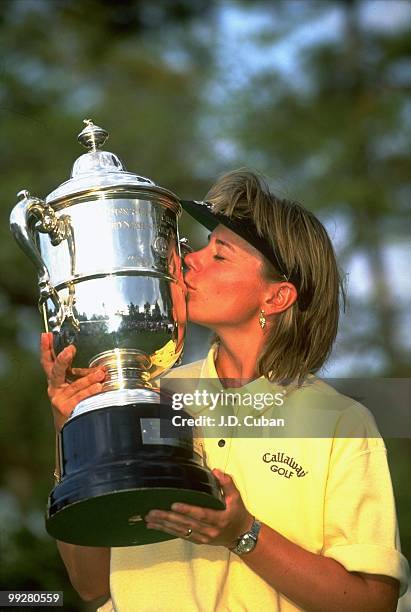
(65, 396)
(214, 527)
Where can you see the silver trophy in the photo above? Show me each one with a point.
(107, 251)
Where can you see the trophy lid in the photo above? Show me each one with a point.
(98, 169)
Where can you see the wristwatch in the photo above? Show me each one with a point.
(247, 542)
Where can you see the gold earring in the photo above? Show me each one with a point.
(262, 319)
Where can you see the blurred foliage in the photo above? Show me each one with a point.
(182, 106)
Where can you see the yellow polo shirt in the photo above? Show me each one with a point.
(330, 495)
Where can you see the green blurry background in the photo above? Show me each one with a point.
(314, 94)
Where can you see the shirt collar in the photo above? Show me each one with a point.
(258, 385)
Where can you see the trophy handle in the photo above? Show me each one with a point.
(185, 246)
(21, 224)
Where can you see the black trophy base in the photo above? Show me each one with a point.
(116, 467)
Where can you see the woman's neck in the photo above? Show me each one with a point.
(237, 358)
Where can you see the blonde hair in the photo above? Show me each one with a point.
(303, 335)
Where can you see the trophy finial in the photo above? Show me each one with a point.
(92, 136)
(23, 194)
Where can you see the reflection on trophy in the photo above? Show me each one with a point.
(106, 247)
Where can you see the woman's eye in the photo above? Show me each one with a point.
(218, 257)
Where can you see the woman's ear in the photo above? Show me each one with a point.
(280, 296)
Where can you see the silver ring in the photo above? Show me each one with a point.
(188, 532)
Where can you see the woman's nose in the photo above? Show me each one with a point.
(191, 261)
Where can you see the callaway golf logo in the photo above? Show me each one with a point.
(289, 468)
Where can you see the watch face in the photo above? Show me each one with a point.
(246, 544)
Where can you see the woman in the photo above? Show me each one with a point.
(309, 522)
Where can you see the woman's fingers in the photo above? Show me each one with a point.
(80, 372)
(65, 406)
(61, 365)
(48, 359)
(47, 353)
(65, 398)
(55, 367)
(82, 385)
(180, 523)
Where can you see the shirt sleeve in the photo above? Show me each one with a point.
(360, 523)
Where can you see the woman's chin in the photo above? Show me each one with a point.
(197, 320)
